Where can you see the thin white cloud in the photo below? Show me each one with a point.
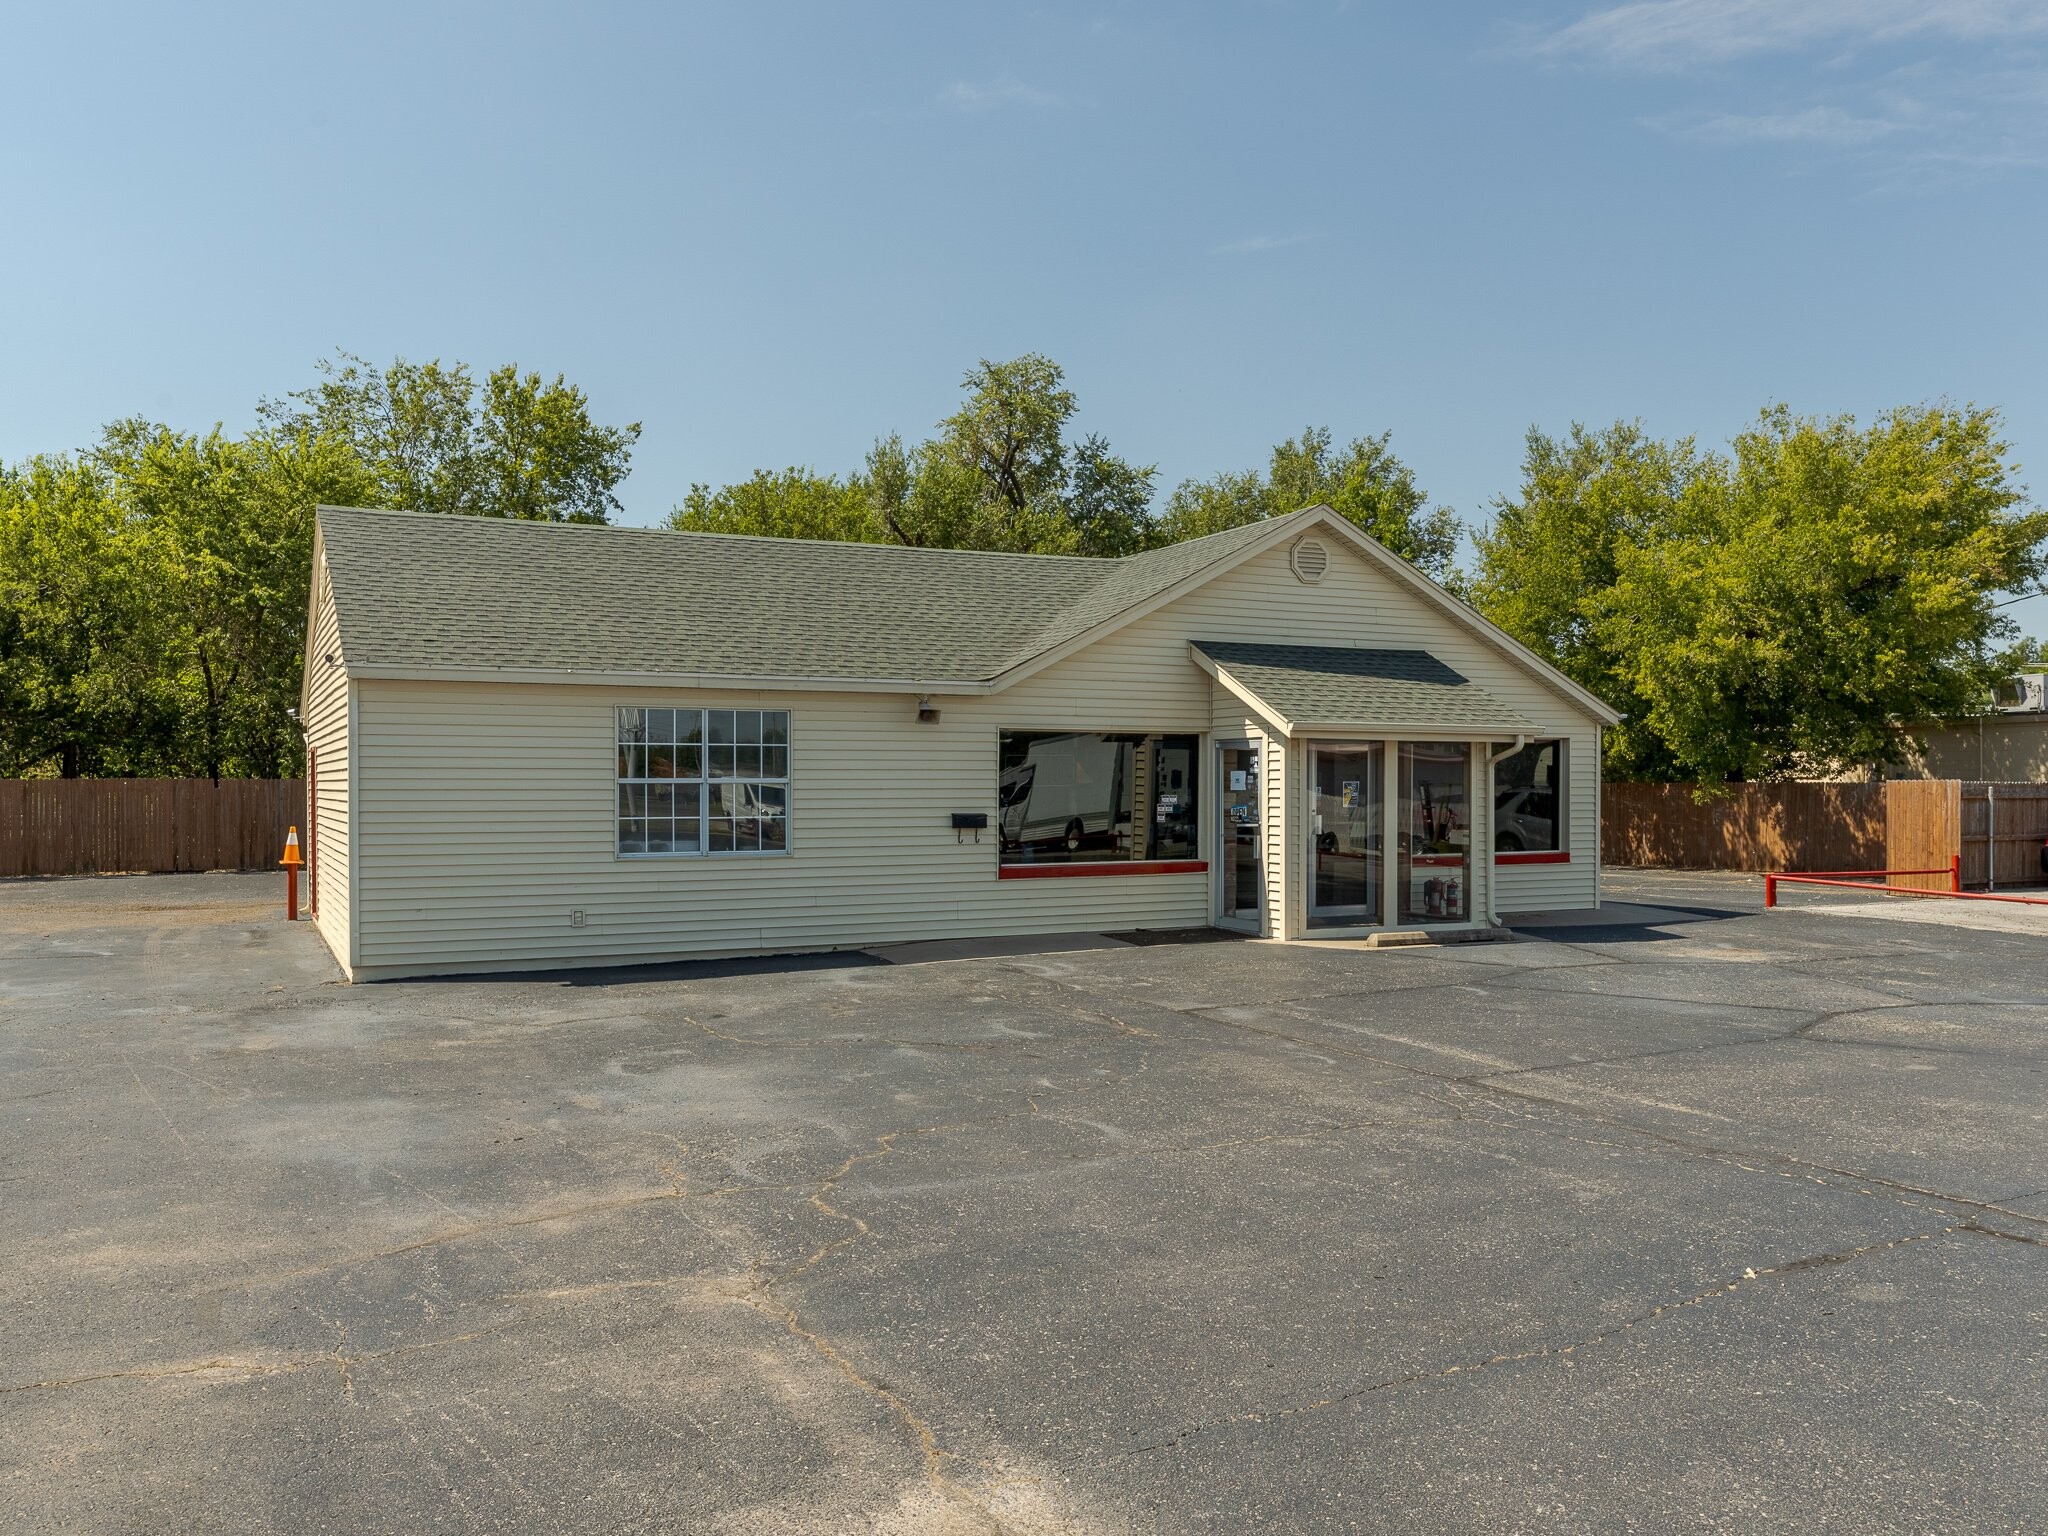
(1679, 34)
(988, 95)
(1256, 243)
(1815, 125)
(1918, 92)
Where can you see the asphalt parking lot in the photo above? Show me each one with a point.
(1689, 1217)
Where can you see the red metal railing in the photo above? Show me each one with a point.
(1861, 880)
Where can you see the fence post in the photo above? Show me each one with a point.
(1955, 873)
(1770, 890)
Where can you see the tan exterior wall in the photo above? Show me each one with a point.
(2001, 749)
(484, 813)
(327, 745)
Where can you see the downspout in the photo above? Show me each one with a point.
(1493, 761)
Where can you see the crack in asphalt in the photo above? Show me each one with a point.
(1469, 1366)
(250, 1368)
(760, 1295)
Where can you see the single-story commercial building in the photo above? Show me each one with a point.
(536, 745)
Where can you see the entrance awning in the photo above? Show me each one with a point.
(1336, 690)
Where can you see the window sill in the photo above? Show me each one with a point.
(1542, 857)
(1106, 867)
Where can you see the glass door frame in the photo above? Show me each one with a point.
(1224, 843)
(1303, 783)
(1343, 915)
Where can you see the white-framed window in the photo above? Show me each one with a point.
(702, 781)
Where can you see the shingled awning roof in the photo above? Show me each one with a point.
(1338, 688)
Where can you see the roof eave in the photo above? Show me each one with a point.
(319, 556)
(1385, 730)
(611, 677)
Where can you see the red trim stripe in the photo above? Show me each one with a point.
(1532, 858)
(1105, 867)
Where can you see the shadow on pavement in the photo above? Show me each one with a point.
(664, 971)
(1619, 922)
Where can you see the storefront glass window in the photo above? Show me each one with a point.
(1085, 797)
(1528, 800)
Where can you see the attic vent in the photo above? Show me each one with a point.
(1309, 560)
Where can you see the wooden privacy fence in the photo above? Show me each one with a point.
(1902, 824)
(145, 826)
(1996, 828)
(1755, 826)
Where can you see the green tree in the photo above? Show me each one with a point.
(1776, 611)
(1010, 431)
(82, 689)
(1831, 582)
(230, 526)
(1108, 501)
(1364, 482)
(1549, 560)
(525, 448)
(790, 504)
(1198, 508)
(998, 475)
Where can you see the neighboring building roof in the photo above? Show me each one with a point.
(1334, 687)
(420, 590)
(427, 595)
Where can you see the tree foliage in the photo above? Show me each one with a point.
(1001, 473)
(1775, 610)
(153, 588)
(1363, 482)
(432, 443)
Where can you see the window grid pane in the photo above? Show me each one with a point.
(702, 781)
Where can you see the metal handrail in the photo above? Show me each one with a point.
(1860, 880)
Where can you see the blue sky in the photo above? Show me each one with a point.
(773, 232)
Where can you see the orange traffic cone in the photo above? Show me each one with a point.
(291, 862)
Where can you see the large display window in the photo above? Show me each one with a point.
(1090, 797)
(1435, 834)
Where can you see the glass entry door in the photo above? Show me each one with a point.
(1345, 842)
(1238, 840)
(1436, 831)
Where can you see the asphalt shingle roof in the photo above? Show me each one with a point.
(421, 590)
(1336, 685)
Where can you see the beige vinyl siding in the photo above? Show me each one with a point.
(486, 813)
(327, 690)
(486, 867)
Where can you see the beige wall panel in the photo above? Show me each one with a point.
(2001, 749)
